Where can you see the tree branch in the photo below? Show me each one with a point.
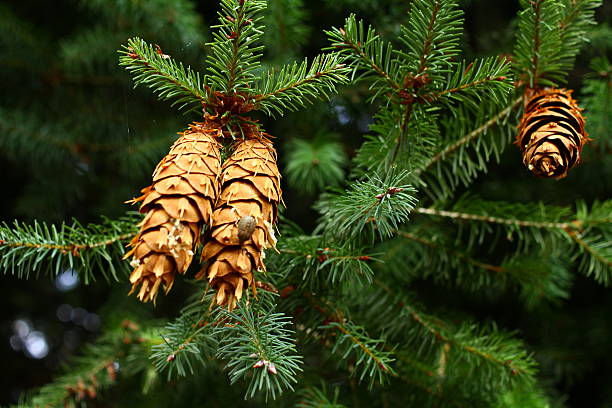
(431, 244)
(441, 337)
(452, 148)
(565, 226)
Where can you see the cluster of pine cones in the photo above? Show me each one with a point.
(238, 201)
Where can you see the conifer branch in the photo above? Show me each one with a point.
(599, 260)
(520, 367)
(314, 397)
(593, 249)
(316, 260)
(474, 134)
(495, 220)
(431, 38)
(375, 205)
(577, 17)
(537, 10)
(371, 360)
(551, 33)
(47, 249)
(463, 256)
(362, 354)
(235, 56)
(73, 248)
(189, 338)
(365, 49)
(297, 85)
(537, 41)
(259, 345)
(482, 79)
(167, 78)
(432, 252)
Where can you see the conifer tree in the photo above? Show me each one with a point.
(373, 306)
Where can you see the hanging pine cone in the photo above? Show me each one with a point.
(178, 203)
(243, 220)
(551, 133)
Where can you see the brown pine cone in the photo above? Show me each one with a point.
(178, 203)
(243, 220)
(551, 133)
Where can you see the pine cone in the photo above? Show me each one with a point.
(243, 220)
(178, 203)
(551, 133)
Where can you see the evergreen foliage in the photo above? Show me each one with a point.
(315, 164)
(45, 249)
(389, 298)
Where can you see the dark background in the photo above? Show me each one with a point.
(88, 142)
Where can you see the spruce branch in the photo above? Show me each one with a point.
(597, 91)
(367, 354)
(317, 261)
(577, 18)
(315, 397)
(390, 148)
(526, 396)
(551, 33)
(489, 349)
(588, 230)
(167, 78)
(469, 141)
(482, 79)
(298, 85)
(494, 220)
(537, 41)
(186, 340)
(450, 149)
(368, 53)
(258, 345)
(431, 38)
(598, 259)
(48, 250)
(462, 256)
(375, 206)
(235, 55)
(429, 252)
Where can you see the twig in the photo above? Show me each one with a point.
(448, 150)
(496, 220)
